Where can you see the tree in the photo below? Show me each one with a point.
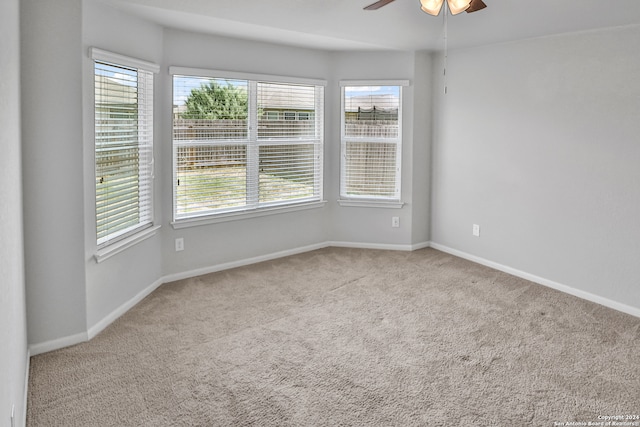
(216, 102)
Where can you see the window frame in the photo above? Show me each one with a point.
(272, 115)
(253, 144)
(119, 240)
(371, 200)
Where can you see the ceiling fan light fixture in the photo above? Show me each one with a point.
(458, 6)
(432, 7)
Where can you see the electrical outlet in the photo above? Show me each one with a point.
(395, 222)
(476, 230)
(180, 244)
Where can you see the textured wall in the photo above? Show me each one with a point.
(537, 141)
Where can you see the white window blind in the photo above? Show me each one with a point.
(371, 142)
(123, 149)
(235, 151)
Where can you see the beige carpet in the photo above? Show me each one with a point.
(347, 337)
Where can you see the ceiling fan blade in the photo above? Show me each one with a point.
(475, 6)
(378, 4)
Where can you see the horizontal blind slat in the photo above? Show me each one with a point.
(123, 149)
(223, 162)
(370, 141)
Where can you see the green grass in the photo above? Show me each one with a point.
(207, 189)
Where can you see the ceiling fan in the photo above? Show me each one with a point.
(432, 7)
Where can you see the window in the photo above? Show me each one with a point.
(272, 115)
(233, 150)
(371, 141)
(123, 145)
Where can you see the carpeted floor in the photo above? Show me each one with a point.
(347, 337)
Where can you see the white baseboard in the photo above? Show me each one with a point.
(634, 311)
(241, 263)
(289, 252)
(422, 245)
(45, 347)
(109, 319)
(115, 314)
(380, 246)
(26, 389)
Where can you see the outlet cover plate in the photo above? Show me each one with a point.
(180, 244)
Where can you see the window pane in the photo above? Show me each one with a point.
(210, 177)
(371, 112)
(370, 169)
(371, 142)
(123, 147)
(229, 162)
(287, 172)
(288, 102)
(206, 109)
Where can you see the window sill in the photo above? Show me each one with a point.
(371, 203)
(116, 248)
(234, 216)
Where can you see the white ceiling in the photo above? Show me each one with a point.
(401, 25)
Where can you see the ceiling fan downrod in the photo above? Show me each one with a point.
(446, 48)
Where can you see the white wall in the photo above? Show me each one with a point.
(119, 279)
(419, 156)
(69, 295)
(228, 242)
(51, 68)
(373, 225)
(541, 153)
(537, 141)
(13, 329)
(232, 241)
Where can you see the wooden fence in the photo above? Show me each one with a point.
(203, 130)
